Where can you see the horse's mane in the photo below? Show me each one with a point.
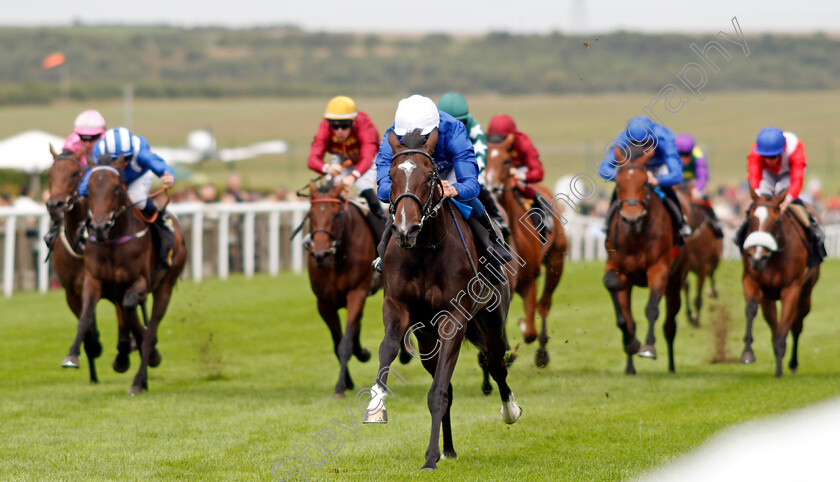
(413, 139)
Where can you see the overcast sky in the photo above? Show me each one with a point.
(538, 16)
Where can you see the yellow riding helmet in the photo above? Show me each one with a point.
(340, 107)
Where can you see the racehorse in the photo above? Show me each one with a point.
(340, 273)
(704, 254)
(641, 252)
(528, 244)
(775, 259)
(429, 267)
(120, 265)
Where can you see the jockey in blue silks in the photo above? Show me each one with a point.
(141, 166)
(454, 159)
(664, 167)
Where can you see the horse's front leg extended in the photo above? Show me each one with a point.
(657, 276)
(91, 292)
(135, 295)
(395, 318)
(752, 295)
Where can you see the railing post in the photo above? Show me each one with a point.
(9, 257)
(273, 243)
(43, 266)
(224, 247)
(248, 244)
(197, 245)
(297, 247)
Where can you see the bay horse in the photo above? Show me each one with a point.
(704, 254)
(775, 268)
(120, 267)
(429, 267)
(641, 252)
(528, 244)
(340, 273)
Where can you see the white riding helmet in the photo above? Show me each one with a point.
(416, 112)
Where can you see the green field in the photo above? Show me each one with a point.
(564, 128)
(248, 373)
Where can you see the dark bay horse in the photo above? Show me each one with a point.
(641, 252)
(528, 244)
(340, 255)
(119, 266)
(775, 268)
(704, 254)
(429, 269)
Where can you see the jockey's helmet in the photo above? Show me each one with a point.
(118, 141)
(685, 143)
(639, 130)
(340, 108)
(416, 112)
(770, 142)
(89, 123)
(454, 104)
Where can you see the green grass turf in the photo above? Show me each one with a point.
(563, 128)
(248, 373)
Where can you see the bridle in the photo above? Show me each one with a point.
(112, 217)
(70, 203)
(427, 208)
(506, 165)
(336, 240)
(633, 201)
(778, 233)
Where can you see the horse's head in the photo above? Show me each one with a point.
(765, 228)
(65, 175)
(413, 181)
(327, 215)
(497, 171)
(632, 188)
(107, 197)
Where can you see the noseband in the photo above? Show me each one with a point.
(427, 210)
(336, 241)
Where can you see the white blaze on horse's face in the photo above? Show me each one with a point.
(408, 167)
(761, 214)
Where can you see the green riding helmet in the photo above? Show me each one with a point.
(454, 104)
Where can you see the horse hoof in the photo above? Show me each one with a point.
(70, 362)
(510, 357)
(630, 371)
(541, 358)
(511, 411)
(363, 355)
(135, 391)
(712, 294)
(487, 389)
(747, 358)
(94, 382)
(155, 358)
(633, 347)
(405, 356)
(648, 351)
(338, 395)
(794, 371)
(121, 364)
(449, 454)
(379, 416)
(428, 468)
(694, 320)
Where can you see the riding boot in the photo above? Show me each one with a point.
(163, 234)
(376, 217)
(492, 209)
(817, 252)
(545, 221)
(382, 246)
(714, 222)
(741, 235)
(488, 237)
(610, 212)
(49, 238)
(680, 226)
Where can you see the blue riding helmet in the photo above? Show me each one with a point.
(639, 129)
(770, 142)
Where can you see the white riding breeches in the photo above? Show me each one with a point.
(138, 189)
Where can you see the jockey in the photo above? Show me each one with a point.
(87, 129)
(664, 169)
(141, 165)
(352, 140)
(777, 162)
(696, 170)
(455, 105)
(526, 169)
(454, 159)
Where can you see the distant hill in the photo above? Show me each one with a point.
(286, 61)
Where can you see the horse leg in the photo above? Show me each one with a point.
(686, 289)
(790, 311)
(529, 300)
(657, 276)
(135, 295)
(395, 319)
(698, 297)
(430, 364)
(553, 272)
(329, 314)
(128, 325)
(753, 294)
(439, 399)
(713, 293)
(492, 327)
(93, 348)
(355, 305)
(619, 290)
(486, 387)
(672, 304)
(91, 291)
(803, 309)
